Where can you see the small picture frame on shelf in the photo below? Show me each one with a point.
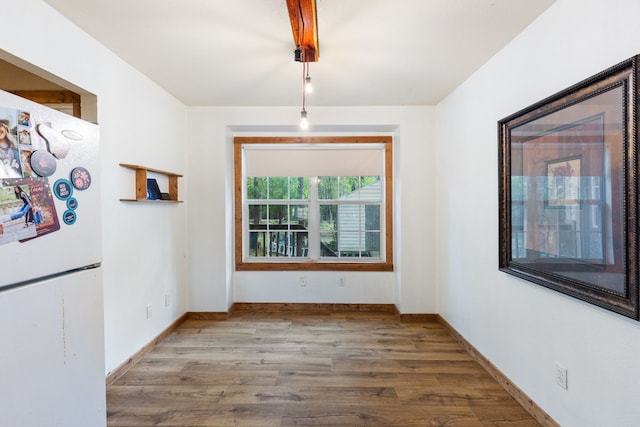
(165, 196)
(153, 191)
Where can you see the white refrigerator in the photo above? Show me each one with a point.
(54, 159)
(51, 298)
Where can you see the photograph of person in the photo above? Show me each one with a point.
(26, 209)
(25, 155)
(17, 216)
(24, 119)
(24, 136)
(10, 166)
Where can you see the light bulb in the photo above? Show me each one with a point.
(308, 88)
(304, 123)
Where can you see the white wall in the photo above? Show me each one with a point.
(214, 285)
(521, 327)
(144, 247)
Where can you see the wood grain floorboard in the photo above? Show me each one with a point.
(262, 369)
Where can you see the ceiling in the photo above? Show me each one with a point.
(240, 52)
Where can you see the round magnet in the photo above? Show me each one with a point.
(80, 178)
(43, 163)
(71, 134)
(72, 203)
(62, 189)
(69, 217)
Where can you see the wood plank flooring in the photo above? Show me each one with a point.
(295, 369)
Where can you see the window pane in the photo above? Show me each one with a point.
(279, 244)
(350, 243)
(328, 217)
(328, 244)
(272, 248)
(371, 244)
(257, 246)
(257, 217)
(328, 187)
(370, 188)
(299, 188)
(349, 186)
(277, 216)
(350, 217)
(372, 217)
(299, 217)
(256, 188)
(299, 245)
(278, 188)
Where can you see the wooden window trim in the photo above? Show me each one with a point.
(386, 265)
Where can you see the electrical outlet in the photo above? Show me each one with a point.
(167, 300)
(342, 282)
(561, 376)
(149, 313)
(303, 281)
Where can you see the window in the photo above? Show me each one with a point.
(319, 203)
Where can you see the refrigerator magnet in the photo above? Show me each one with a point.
(72, 134)
(58, 145)
(43, 163)
(69, 217)
(80, 178)
(72, 203)
(62, 189)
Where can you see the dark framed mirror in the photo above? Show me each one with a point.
(568, 192)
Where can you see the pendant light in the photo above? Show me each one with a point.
(306, 89)
(304, 122)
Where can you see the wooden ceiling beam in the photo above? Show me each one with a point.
(304, 25)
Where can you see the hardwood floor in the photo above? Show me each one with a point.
(294, 369)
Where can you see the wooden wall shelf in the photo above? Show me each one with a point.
(141, 184)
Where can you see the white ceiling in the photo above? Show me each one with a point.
(240, 52)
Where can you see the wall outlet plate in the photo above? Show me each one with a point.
(561, 376)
